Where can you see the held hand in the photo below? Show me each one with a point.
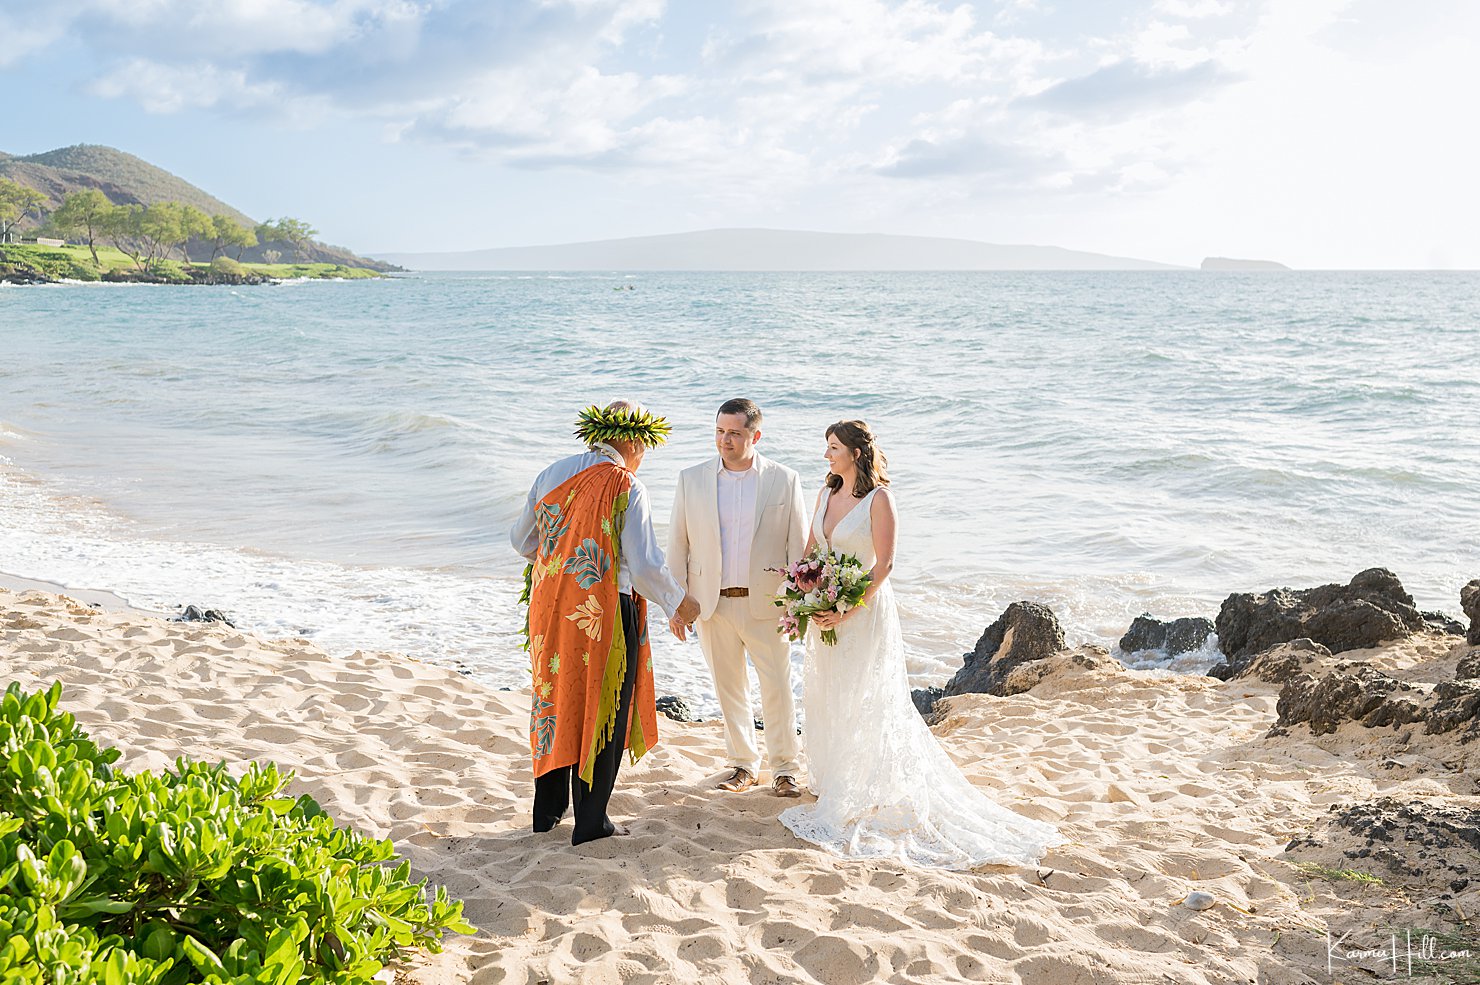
(678, 628)
(688, 610)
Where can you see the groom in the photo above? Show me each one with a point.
(733, 517)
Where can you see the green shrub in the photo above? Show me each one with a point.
(189, 876)
(51, 262)
(171, 271)
(227, 267)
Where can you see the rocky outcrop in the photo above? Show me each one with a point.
(1435, 844)
(1025, 632)
(1281, 663)
(1369, 610)
(676, 708)
(1350, 692)
(1358, 692)
(925, 699)
(1469, 600)
(1469, 666)
(1456, 709)
(199, 613)
(1442, 622)
(21, 275)
(1176, 636)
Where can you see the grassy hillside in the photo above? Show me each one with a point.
(126, 179)
(129, 180)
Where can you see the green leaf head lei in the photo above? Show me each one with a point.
(607, 424)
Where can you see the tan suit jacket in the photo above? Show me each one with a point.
(694, 542)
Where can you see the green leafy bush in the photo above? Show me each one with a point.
(189, 876)
(53, 263)
(227, 267)
(171, 271)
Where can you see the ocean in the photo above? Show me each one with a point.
(342, 461)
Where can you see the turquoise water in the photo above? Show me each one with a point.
(343, 460)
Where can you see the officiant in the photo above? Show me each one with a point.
(587, 531)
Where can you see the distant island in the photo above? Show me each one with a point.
(1229, 263)
(774, 250)
(96, 213)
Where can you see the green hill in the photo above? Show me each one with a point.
(129, 180)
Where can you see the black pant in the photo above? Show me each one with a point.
(563, 786)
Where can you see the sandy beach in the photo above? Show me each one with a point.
(1163, 784)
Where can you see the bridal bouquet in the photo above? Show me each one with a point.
(820, 582)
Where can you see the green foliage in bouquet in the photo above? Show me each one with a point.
(597, 424)
(190, 876)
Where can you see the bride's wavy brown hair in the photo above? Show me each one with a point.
(873, 467)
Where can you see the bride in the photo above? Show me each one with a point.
(885, 788)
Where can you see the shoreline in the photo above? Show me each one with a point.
(97, 597)
(1163, 785)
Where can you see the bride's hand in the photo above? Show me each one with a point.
(828, 620)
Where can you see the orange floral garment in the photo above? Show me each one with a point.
(577, 646)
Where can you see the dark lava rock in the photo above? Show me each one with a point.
(1457, 707)
(1349, 693)
(1177, 636)
(1280, 663)
(1469, 600)
(1438, 844)
(1025, 631)
(1442, 622)
(1469, 666)
(676, 708)
(1371, 609)
(196, 613)
(925, 698)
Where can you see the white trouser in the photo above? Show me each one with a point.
(725, 638)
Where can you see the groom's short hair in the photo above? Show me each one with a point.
(740, 405)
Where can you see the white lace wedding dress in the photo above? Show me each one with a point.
(884, 786)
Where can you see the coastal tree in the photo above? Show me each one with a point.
(121, 226)
(295, 232)
(83, 215)
(147, 234)
(228, 234)
(17, 201)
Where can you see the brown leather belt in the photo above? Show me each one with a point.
(734, 593)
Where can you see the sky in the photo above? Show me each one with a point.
(1320, 133)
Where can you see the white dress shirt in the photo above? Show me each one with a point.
(736, 492)
(643, 567)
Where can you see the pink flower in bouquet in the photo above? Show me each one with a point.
(809, 575)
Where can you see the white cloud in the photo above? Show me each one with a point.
(1117, 116)
(1193, 9)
